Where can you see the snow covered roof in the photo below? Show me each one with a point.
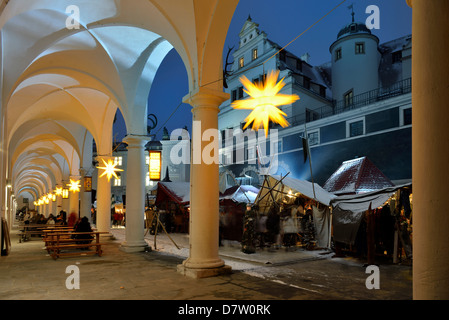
(362, 202)
(241, 194)
(177, 191)
(357, 176)
(302, 186)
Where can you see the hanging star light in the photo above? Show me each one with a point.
(264, 101)
(58, 191)
(74, 186)
(109, 169)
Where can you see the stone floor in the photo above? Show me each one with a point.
(29, 273)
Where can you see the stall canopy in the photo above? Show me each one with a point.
(178, 192)
(357, 176)
(348, 211)
(285, 185)
(240, 194)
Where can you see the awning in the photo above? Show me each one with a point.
(287, 184)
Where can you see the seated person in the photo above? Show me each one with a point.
(83, 226)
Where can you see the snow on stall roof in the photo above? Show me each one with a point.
(306, 188)
(356, 176)
(179, 189)
(241, 194)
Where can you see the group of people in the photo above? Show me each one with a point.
(33, 217)
(284, 225)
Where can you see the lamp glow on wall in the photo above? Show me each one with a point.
(264, 99)
(155, 165)
(109, 169)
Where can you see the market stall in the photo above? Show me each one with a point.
(172, 200)
(374, 223)
(302, 206)
(233, 203)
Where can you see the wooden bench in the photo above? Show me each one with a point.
(27, 230)
(61, 244)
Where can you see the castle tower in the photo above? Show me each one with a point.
(355, 62)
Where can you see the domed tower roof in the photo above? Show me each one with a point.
(353, 28)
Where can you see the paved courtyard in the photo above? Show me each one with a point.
(29, 273)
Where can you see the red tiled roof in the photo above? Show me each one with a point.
(356, 176)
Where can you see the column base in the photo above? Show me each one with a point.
(138, 247)
(107, 236)
(197, 272)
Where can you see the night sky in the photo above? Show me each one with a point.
(282, 20)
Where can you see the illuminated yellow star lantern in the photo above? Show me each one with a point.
(109, 169)
(74, 186)
(58, 191)
(264, 100)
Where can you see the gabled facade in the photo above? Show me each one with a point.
(358, 104)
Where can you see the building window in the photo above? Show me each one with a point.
(313, 137)
(147, 178)
(241, 62)
(147, 160)
(306, 83)
(299, 65)
(282, 55)
(240, 93)
(405, 116)
(355, 128)
(348, 98)
(254, 54)
(360, 48)
(323, 91)
(118, 161)
(396, 56)
(338, 54)
(311, 115)
(118, 182)
(233, 95)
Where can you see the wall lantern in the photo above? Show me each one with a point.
(65, 193)
(155, 165)
(264, 99)
(87, 184)
(109, 169)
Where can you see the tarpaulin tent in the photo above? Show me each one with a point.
(240, 194)
(348, 211)
(281, 189)
(275, 187)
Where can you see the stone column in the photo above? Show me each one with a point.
(74, 199)
(103, 222)
(135, 194)
(85, 198)
(430, 149)
(204, 260)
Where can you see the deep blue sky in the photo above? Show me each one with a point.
(282, 20)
